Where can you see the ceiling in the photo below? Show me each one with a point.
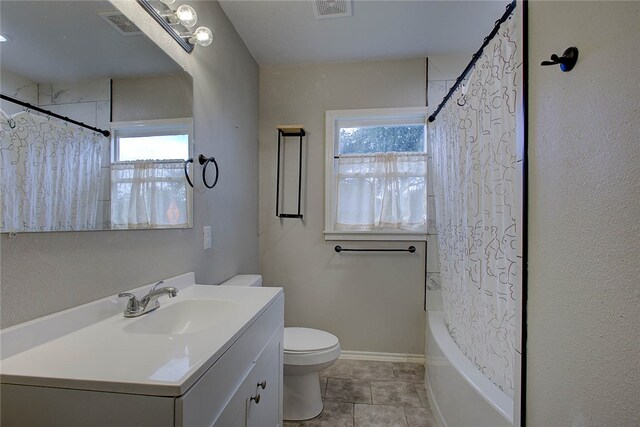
(56, 41)
(61, 41)
(287, 32)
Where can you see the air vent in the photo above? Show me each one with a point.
(332, 8)
(121, 23)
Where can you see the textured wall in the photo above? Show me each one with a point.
(152, 97)
(584, 217)
(372, 302)
(45, 273)
(18, 87)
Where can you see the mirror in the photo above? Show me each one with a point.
(97, 68)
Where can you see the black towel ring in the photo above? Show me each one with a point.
(186, 170)
(205, 161)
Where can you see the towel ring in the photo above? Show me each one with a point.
(186, 170)
(205, 161)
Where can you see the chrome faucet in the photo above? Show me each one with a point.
(147, 303)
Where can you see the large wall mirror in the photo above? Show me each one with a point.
(86, 61)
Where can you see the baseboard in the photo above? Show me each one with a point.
(381, 357)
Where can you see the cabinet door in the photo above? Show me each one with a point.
(234, 413)
(267, 411)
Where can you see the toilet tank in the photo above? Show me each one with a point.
(244, 280)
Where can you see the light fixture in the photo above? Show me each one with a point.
(5, 38)
(184, 15)
(178, 23)
(202, 36)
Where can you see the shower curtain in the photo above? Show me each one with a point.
(50, 175)
(474, 161)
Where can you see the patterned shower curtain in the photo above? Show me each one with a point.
(474, 161)
(50, 175)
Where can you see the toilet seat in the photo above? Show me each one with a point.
(308, 340)
(306, 347)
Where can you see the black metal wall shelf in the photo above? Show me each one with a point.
(283, 132)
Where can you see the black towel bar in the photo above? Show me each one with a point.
(339, 249)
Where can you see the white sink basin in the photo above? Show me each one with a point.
(183, 317)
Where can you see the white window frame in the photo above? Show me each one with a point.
(177, 126)
(358, 118)
(150, 128)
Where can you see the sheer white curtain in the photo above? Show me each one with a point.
(474, 160)
(382, 191)
(50, 175)
(149, 194)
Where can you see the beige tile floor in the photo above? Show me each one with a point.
(371, 394)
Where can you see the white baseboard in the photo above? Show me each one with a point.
(381, 357)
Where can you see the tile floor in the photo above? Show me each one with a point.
(360, 393)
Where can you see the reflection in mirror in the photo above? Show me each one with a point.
(98, 68)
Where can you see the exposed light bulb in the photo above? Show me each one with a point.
(202, 36)
(186, 15)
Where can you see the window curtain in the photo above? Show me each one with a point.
(149, 194)
(382, 191)
(50, 174)
(474, 175)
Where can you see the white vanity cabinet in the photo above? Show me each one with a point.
(225, 390)
(227, 395)
(257, 401)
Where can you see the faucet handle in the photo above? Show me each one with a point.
(156, 285)
(133, 303)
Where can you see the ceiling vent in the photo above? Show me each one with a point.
(121, 23)
(332, 8)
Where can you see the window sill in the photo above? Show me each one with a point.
(375, 236)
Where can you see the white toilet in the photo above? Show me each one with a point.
(306, 353)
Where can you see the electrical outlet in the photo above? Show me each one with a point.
(206, 232)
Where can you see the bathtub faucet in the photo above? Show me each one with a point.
(149, 302)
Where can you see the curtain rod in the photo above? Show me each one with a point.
(106, 133)
(475, 58)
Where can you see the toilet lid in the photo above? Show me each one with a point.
(306, 339)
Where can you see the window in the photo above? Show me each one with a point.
(148, 186)
(151, 139)
(376, 174)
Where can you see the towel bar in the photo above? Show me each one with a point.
(339, 249)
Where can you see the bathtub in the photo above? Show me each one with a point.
(460, 395)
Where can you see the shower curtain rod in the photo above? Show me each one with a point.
(106, 133)
(475, 58)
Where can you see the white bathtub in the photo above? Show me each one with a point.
(460, 395)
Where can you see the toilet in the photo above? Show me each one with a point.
(306, 352)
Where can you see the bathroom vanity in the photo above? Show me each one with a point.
(211, 356)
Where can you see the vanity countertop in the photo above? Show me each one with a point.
(107, 356)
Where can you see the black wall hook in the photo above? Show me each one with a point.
(566, 61)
